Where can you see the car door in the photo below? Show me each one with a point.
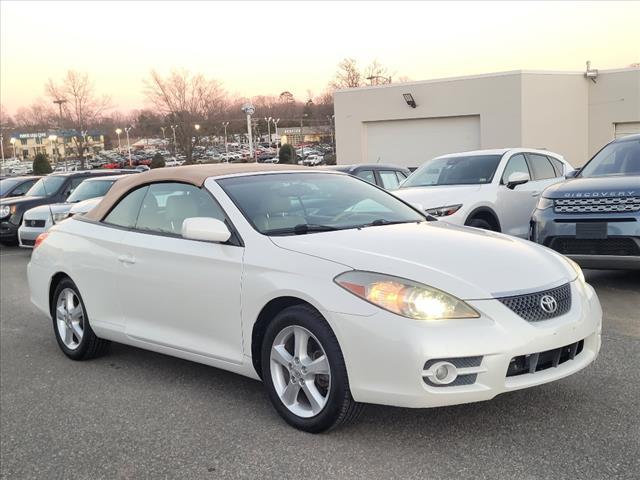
(177, 292)
(543, 170)
(516, 205)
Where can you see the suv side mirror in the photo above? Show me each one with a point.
(572, 173)
(206, 229)
(517, 178)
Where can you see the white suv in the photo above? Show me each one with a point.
(491, 189)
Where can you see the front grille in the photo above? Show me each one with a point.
(622, 246)
(597, 205)
(536, 362)
(28, 243)
(530, 306)
(34, 223)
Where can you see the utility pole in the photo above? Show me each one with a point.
(226, 148)
(126, 130)
(275, 122)
(249, 110)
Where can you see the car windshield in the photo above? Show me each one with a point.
(461, 170)
(616, 159)
(301, 203)
(90, 189)
(46, 186)
(7, 184)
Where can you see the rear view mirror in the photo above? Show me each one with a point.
(517, 178)
(206, 229)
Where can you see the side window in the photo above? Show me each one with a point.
(401, 177)
(367, 175)
(541, 166)
(517, 163)
(167, 205)
(125, 213)
(23, 188)
(558, 166)
(389, 179)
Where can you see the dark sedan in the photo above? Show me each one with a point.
(386, 176)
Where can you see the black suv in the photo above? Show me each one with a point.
(54, 188)
(594, 217)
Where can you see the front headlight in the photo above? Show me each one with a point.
(405, 297)
(5, 211)
(544, 203)
(444, 211)
(59, 216)
(578, 270)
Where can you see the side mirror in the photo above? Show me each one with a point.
(572, 173)
(517, 178)
(206, 229)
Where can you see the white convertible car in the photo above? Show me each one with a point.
(332, 291)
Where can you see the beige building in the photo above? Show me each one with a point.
(57, 144)
(565, 112)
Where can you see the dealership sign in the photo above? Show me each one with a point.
(292, 131)
(32, 135)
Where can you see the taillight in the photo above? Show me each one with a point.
(39, 239)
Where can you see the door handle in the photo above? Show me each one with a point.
(127, 259)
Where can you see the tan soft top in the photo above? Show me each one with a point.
(192, 174)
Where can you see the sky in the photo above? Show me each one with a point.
(264, 48)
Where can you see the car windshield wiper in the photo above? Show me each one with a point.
(302, 229)
(382, 221)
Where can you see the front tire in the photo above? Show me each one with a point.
(479, 223)
(71, 324)
(304, 372)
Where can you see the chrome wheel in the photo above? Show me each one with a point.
(300, 371)
(69, 318)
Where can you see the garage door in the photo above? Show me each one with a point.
(627, 128)
(411, 142)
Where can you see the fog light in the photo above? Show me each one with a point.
(443, 373)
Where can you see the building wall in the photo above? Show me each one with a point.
(555, 114)
(495, 99)
(560, 111)
(614, 98)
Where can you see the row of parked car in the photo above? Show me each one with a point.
(522, 192)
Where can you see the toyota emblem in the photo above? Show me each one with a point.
(549, 304)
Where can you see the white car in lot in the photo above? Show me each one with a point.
(331, 290)
(491, 189)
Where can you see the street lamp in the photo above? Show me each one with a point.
(127, 130)
(118, 132)
(268, 120)
(225, 125)
(13, 144)
(332, 120)
(54, 149)
(249, 110)
(275, 122)
(163, 137)
(175, 147)
(2, 148)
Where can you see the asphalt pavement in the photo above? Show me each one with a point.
(136, 414)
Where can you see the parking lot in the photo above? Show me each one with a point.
(137, 414)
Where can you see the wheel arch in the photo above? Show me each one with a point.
(485, 213)
(53, 284)
(268, 313)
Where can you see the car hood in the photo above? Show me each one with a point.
(437, 195)
(44, 211)
(22, 200)
(85, 205)
(466, 262)
(623, 186)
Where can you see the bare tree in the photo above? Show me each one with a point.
(82, 107)
(186, 99)
(377, 74)
(38, 115)
(347, 76)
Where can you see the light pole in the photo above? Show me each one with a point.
(126, 130)
(118, 132)
(331, 119)
(13, 144)
(163, 137)
(175, 144)
(226, 148)
(2, 149)
(249, 110)
(275, 122)
(84, 147)
(268, 120)
(54, 149)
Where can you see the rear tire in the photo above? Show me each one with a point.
(304, 372)
(479, 223)
(71, 326)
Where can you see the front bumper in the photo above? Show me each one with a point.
(8, 231)
(619, 249)
(386, 355)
